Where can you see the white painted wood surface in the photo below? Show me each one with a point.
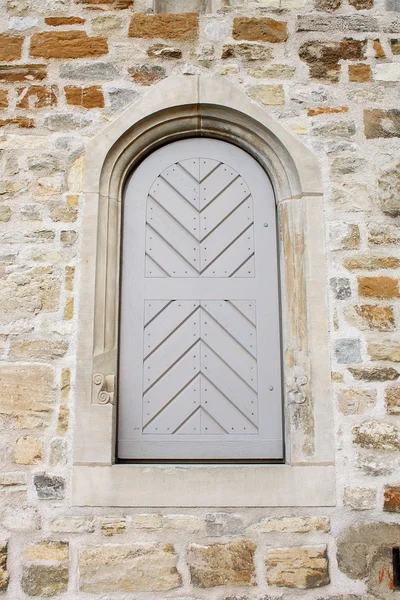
(200, 344)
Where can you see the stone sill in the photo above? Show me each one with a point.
(208, 486)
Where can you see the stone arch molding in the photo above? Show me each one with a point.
(176, 108)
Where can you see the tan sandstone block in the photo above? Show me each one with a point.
(18, 73)
(377, 435)
(360, 73)
(38, 350)
(47, 550)
(67, 44)
(269, 95)
(3, 99)
(393, 399)
(28, 451)
(63, 420)
(111, 527)
(222, 564)
(37, 96)
(150, 522)
(165, 26)
(259, 30)
(187, 523)
(10, 47)
(301, 567)
(72, 525)
(370, 263)
(384, 349)
(370, 317)
(356, 402)
(27, 394)
(293, 525)
(59, 21)
(391, 499)
(86, 97)
(135, 568)
(378, 287)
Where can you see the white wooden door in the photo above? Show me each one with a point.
(200, 374)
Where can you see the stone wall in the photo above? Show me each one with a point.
(327, 71)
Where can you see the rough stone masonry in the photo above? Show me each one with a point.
(328, 71)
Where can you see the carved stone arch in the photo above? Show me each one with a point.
(177, 108)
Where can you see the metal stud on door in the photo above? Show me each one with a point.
(200, 346)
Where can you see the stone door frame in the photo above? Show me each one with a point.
(178, 108)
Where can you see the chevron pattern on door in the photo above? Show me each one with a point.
(199, 222)
(200, 367)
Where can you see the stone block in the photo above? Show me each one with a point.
(377, 435)
(359, 498)
(333, 130)
(324, 58)
(246, 52)
(259, 30)
(387, 72)
(161, 50)
(218, 524)
(36, 96)
(165, 26)
(392, 399)
(362, 4)
(58, 452)
(395, 46)
(370, 262)
(360, 73)
(293, 525)
(28, 451)
(370, 317)
(107, 4)
(63, 420)
(146, 74)
(44, 580)
(182, 6)
(378, 287)
(380, 123)
(389, 190)
(383, 235)
(340, 287)
(147, 522)
(18, 73)
(47, 550)
(356, 402)
(37, 350)
(49, 487)
(384, 349)
(106, 24)
(374, 373)
(86, 97)
(60, 21)
(10, 47)
(29, 292)
(344, 236)
(72, 525)
(88, 72)
(376, 464)
(110, 527)
(314, 22)
(272, 72)
(120, 97)
(269, 95)
(27, 395)
(3, 568)
(222, 564)
(348, 351)
(135, 568)
(391, 499)
(3, 99)
(327, 5)
(67, 44)
(184, 523)
(303, 567)
(67, 122)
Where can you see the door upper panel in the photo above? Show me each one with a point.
(200, 344)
